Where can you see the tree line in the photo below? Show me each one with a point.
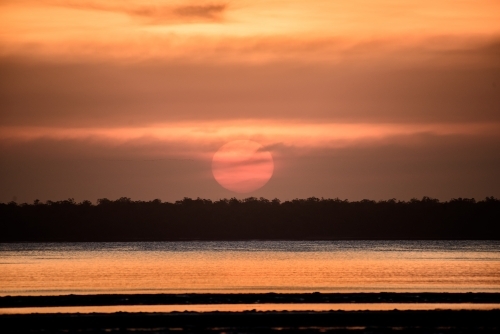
(251, 218)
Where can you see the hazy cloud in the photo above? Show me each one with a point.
(204, 11)
(272, 147)
(442, 89)
(153, 13)
(252, 162)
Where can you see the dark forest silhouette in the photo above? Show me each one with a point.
(251, 218)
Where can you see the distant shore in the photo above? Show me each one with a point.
(313, 218)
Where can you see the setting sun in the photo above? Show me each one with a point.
(242, 166)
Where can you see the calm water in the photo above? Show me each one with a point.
(252, 266)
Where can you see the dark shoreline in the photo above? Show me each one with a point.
(442, 321)
(249, 219)
(132, 240)
(244, 298)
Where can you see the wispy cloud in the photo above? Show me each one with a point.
(272, 147)
(272, 135)
(201, 11)
(155, 13)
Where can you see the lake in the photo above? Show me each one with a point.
(249, 266)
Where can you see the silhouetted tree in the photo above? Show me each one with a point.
(250, 218)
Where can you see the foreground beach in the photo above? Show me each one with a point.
(259, 322)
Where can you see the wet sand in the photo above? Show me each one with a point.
(249, 307)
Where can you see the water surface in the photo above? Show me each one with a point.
(249, 266)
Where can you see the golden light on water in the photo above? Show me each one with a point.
(249, 267)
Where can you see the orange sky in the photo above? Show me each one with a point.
(331, 88)
(239, 31)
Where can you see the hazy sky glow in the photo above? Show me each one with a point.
(353, 99)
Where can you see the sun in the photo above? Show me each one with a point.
(242, 166)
